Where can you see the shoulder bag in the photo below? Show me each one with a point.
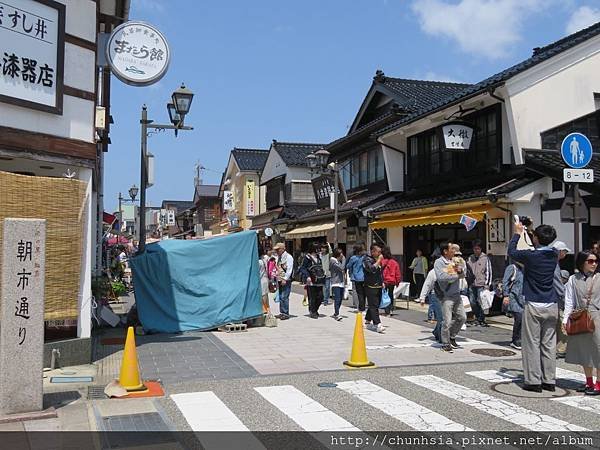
(580, 321)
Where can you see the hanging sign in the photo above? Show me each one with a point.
(250, 206)
(138, 54)
(228, 203)
(456, 136)
(324, 186)
(32, 49)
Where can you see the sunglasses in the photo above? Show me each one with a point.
(591, 261)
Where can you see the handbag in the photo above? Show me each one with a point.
(272, 286)
(270, 320)
(385, 299)
(580, 321)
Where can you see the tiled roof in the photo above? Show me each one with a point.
(540, 55)
(353, 203)
(293, 212)
(179, 205)
(207, 190)
(252, 159)
(476, 190)
(414, 95)
(550, 163)
(295, 153)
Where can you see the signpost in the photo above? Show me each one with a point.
(576, 152)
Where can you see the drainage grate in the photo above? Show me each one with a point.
(494, 352)
(96, 393)
(327, 385)
(146, 429)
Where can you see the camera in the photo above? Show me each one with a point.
(525, 220)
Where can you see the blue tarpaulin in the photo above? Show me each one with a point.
(197, 284)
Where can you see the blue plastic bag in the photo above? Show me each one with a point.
(385, 299)
(276, 299)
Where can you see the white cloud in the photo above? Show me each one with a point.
(582, 18)
(434, 76)
(481, 27)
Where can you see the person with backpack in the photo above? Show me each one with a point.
(479, 278)
(391, 276)
(373, 287)
(313, 276)
(357, 276)
(513, 301)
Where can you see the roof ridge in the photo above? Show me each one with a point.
(412, 80)
(296, 143)
(538, 50)
(244, 149)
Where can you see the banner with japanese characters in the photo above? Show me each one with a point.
(250, 204)
(32, 53)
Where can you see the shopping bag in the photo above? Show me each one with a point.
(305, 300)
(466, 303)
(486, 298)
(385, 299)
(276, 299)
(525, 242)
(270, 320)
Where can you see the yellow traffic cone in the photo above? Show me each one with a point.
(129, 377)
(358, 356)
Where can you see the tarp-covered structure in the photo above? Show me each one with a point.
(185, 285)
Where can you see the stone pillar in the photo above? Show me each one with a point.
(22, 315)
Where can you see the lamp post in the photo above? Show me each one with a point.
(181, 101)
(133, 192)
(319, 161)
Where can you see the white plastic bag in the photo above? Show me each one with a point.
(466, 303)
(486, 298)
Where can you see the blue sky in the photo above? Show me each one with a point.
(298, 70)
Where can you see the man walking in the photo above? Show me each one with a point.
(285, 268)
(447, 286)
(541, 310)
(325, 258)
(373, 287)
(357, 276)
(479, 276)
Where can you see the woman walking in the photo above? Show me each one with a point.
(582, 291)
(337, 270)
(391, 276)
(420, 268)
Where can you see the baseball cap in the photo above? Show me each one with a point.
(279, 245)
(560, 245)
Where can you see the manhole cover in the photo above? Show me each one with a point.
(327, 385)
(96, 393)
(516, 390)
(495, 352)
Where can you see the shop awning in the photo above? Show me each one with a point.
(310, 231)
(415, 219)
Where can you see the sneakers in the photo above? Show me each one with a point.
(483, 324)
(314, 316)
(454, 344)
(515, 346)
(592, 391)
(447, 348)
(550, 387)
(337, 317)
(532, 387)
(380, 328)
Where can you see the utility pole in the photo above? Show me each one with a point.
(335, 201)
(120, 214)
(576, 202)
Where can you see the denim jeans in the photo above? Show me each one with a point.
(327, 290)
(436, 307)
(474, 292)
(373, 301)
(284, 297)
(338, 295)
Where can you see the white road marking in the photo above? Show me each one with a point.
(412, 414)
(204, 411)
(309, 414)
(496, 407)
(427, 343)
(585, 403)
(496, 376)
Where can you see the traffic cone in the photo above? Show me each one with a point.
(358, 356)
(129, 377)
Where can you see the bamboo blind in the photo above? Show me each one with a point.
(62, 202)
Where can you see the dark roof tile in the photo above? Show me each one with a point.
(295, 153)
(251, 159)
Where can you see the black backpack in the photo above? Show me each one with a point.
(315, 271)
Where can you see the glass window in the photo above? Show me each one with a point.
(364, 164)
(345, 174)
(303, 192)
(435, 155)
(373, 166)
(354, 172)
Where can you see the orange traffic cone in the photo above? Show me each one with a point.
(129, 377)
(358, 356)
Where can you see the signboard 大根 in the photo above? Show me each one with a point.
(32, 48)
(138, 53)
(324, 187)
(456, 136)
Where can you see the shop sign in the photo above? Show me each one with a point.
(250, 206)
(138, 54)
(456, 136)
(228, 203)
(324, 187)
(32, 49)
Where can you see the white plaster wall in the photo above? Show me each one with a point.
(81, 18)
(298, 173)
(394, 167)
(84, 321)
(274, 167)
(77, 121)
(554, 92)
(79, 67)
(564, 231)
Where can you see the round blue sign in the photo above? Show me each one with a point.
(576, 150)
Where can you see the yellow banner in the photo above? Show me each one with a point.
(250, 204)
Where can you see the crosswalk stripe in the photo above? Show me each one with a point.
(204, 411)
(496, 376)
(309, 414)
(496, 407)
(412, 414)
(590, 404)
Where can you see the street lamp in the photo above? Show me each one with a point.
(319, 161)
(133, 191)
(177, 109)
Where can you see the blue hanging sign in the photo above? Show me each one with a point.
(576, 150)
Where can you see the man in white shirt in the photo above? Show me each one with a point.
(285, 268)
